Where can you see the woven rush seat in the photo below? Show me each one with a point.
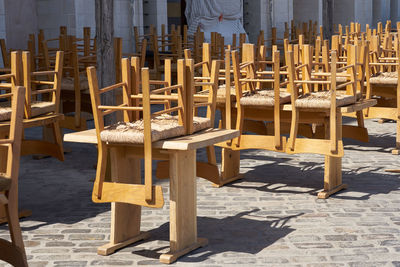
(359, 95)
(37, 108)
(5, 111)
(263, 97)
(322, 99)
(389, 78)
(162, 127)
(4, 182)
(221, 93)
(67, 83)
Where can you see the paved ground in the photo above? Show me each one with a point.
(269, 218)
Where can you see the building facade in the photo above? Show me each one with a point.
(16, 22)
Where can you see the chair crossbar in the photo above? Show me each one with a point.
(5, 85)
(39, 73)
(169, 88)
(120, 107)
(202, 104)
(155, 82)
(6, 141)
(43, 82)
(8, 95)
(345, 68)
(169, 110)
(112, 87)
(343, 85)
(43, 91)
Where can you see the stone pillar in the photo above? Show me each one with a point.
(381, 11)
(305, 10)
(123, 24)
(2, 20)
(394, 12)
(20, 20)
(343, 12)
(137, 17)
(363, 11)
(53, 14)
(85, 17)
(282, 12)
(155, 13)
(252, 16)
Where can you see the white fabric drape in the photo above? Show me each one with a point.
(222, 16)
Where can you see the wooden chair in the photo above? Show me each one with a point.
(75, 96)
(40, 110)
(139, 135)
(255, 91)
(158, 56)
(382, 83)
(323, 105)
(42, 105)
(12, 252)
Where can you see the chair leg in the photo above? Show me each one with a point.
(239, 124)
(211, 155)
(102, 159)
(77, 115)
(58, 139)
(294, 129)
(13, 225)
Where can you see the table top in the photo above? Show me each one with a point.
(189, 142)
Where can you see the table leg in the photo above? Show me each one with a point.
(183, 213)
(230, 167)
(332, 177)
(333, 168)
(125, 218)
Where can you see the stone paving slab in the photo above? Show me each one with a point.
(270, 218)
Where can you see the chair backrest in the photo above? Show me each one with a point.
(130, 93)
(10, 81)
(50, 80)
(13, 142)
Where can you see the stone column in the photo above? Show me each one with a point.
(20, 20)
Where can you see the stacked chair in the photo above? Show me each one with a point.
(10, 148)
(42, 98)
(152, 126)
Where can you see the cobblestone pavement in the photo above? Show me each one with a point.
(270, 218)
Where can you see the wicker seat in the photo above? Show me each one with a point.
(5, 114)
(162, 127)
(264, 97)
(322, 99)
(5, 182)
(384, 78)
(37, 108)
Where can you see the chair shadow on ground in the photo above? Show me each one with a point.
(279, 177)
(377, 143)
(245, 232)
(59, 192)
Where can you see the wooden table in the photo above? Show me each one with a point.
(181, 153)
